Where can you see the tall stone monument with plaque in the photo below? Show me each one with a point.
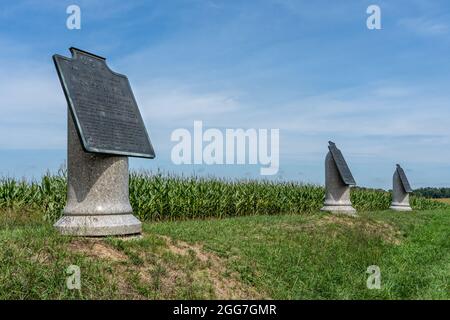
(338, 180)
(105, 127)
(400, 191)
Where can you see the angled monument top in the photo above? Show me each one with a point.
(403, 179)
(341, 164)
(103, 106)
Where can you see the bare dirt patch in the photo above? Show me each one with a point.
(41, 256)
(97, 248)
(226, 285)
(165, 276)
(184, 248)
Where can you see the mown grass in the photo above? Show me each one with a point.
(318, 257)
(272, 242)
(34, 261)
(167, 197)
(314, 256)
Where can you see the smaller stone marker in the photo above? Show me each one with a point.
(105, 127)
(400, 191)
(338, 180)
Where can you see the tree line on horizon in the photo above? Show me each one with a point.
(432, 192)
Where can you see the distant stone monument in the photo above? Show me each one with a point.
(338, 180)
(400, 191)
(105, 127)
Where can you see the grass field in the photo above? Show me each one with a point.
(305, 256)
(213, 238)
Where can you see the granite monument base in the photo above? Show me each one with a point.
(340, 209)
(97, 193)
(400, 198)
(337, 198)
(400, 207)
(99, 225)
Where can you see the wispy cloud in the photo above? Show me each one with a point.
(312, 70)
(177, 103)
(32, 106)
(426, 26)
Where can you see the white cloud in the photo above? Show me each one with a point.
(32, 105)
(174, 103)
(382, 121)
(425, 26)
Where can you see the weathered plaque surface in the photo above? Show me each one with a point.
(342, 166)
(103, 106)
(404, 179)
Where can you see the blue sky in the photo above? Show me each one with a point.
(309, 68)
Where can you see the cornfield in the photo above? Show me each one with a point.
(162, 196)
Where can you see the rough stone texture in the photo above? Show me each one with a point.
(337, 198)
(97, 193)
(400, 198)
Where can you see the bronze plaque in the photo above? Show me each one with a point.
(103, 106)
(404, 179)
(341, 164)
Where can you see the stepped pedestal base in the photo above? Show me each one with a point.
(340, 209)
(400, 207)
(99, 225)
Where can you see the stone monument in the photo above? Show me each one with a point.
(105, 127)
(400, 191)
(338, 180)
